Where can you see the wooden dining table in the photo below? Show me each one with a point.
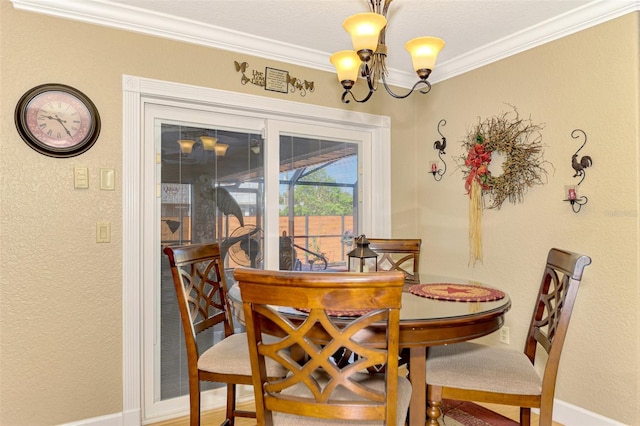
(429, 321)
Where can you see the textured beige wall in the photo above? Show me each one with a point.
(589, 81)
(61, 292)
(61, 301)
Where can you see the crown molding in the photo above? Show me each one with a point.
(579, 19)
(115, 15)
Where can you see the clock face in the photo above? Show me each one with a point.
(57, 120)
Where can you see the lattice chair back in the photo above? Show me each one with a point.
(398, 254)
(223, 355)
(554, 305)
(200, 286)
(318, 314)
(475, 372)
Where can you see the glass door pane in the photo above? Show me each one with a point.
(318, 202)
(250, 184)
(211, 190)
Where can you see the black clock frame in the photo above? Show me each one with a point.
(34, 143)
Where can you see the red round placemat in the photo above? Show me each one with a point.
(341, 313)
(456, 292)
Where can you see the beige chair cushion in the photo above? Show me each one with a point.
(474, 366)
(375, 381)
(231, 356)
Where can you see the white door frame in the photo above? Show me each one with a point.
(136, 92)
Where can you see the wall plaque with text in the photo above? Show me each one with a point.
(276, 80)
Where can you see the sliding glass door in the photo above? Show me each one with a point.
(284, 198)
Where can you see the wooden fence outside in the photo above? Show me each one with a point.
(320, 234)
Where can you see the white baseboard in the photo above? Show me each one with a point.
(572, 415)
(109, 420)
(563, 412)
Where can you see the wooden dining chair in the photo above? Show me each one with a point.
(201, 292)
(398, 254)
(474, 372)
(323, 313)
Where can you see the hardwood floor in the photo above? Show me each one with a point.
(514, 413)
(212, 418)
(215, 417)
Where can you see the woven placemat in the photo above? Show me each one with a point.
(456, 292)
(340, 313)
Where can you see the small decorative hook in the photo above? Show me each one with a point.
(440, 146)
(579, 168)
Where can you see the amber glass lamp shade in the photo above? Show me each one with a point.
(221, 149)
(186, 145)
(424, 52)
(364, 29)
(347, 64)
(208, 142)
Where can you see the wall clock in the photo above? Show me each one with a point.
(57, 120)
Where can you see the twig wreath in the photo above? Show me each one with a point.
(519, 141)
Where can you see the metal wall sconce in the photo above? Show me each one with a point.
(572, 197)
(440, 146)
(571, 191)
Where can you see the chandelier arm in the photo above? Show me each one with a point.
(424, 92)
(366, 98)
(344, 97)
(418, 83)
(349, 92)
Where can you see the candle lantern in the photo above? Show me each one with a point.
(362, 258)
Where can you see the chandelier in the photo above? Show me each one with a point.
(367, 32)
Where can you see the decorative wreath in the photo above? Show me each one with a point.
(519, 141)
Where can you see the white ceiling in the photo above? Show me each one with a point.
(306, 32)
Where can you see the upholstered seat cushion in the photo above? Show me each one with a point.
(375, 381)
(481, 367)
(231, 356)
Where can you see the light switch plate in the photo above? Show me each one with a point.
(80, 177)
(107, 179)
(103, 232)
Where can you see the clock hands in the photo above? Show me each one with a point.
(59, 120)
(63, 126)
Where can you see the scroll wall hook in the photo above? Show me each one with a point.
(579, 167)
(440, 146)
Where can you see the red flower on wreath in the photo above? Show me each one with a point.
(478, 161)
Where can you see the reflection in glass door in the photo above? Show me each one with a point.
(211, 190)
(272, 193)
